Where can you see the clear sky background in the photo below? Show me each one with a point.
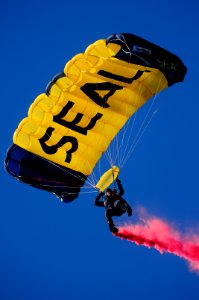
(49, 250)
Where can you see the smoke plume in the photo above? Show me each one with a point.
(154, 232)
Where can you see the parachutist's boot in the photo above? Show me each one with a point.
(113, 228)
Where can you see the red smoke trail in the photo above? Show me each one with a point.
(153, 232)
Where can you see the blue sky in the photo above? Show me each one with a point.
(55, 251)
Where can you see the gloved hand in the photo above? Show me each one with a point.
(118, 180)
(101, 193)
(129, 212)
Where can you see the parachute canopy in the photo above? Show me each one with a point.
(71, 125)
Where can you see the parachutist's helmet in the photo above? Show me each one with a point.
(108, 191)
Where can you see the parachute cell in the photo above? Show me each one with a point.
(71, 125)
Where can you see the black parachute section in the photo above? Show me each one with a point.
(43, 174)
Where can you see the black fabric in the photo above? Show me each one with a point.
(43, 174)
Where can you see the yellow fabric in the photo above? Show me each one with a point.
(54, 128)
(107, 178)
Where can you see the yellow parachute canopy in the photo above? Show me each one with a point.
(67, 126)
(72, 124)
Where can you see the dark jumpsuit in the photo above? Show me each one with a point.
(114, 205)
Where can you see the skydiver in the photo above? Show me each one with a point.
(114, 204)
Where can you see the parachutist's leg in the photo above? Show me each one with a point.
(109, 219)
